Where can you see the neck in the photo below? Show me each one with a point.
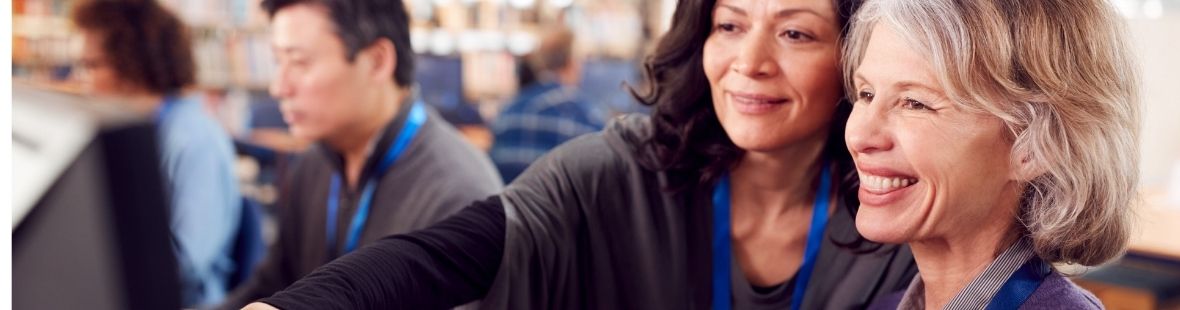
(144, 102)
(947, 265)
(771, 197)
(770, 182)
(354, 141)
(568, 76)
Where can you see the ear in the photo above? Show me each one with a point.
(379, 59)
(1025, 166)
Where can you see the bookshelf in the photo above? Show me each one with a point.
(234, 61)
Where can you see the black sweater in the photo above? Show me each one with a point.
(586, 227)
(448, 264)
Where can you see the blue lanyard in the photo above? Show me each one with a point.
(414, 121)
(1020, 285)
(722, 251)
(165, 107)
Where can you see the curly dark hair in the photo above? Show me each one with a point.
(144, 43)
(687, 140)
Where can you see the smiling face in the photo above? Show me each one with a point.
(928, 167)
(772, 70)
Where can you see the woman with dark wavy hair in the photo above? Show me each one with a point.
(738, 192)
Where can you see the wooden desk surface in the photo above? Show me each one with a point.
(1157, 227)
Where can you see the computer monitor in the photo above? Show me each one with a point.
(90, 218)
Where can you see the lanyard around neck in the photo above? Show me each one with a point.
(414, 122)
(1020, 285)
(166, 107)
(723, 252)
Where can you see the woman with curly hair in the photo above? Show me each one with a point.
(139, 54)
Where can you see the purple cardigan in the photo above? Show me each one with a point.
(1056, 292)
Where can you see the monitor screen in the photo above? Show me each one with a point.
(90, 228)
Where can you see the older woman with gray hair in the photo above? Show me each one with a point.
(996, 138)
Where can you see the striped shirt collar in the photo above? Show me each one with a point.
(980, 291)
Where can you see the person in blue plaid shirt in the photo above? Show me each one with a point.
(548, 111)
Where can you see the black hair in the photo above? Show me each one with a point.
(687, 137)
(687, 140)
(359, 23)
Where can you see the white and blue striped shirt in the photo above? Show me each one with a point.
(979, 292)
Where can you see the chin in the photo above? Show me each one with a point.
(757, 146)
(769, 139)
(760, 141)
(877, 226)
(305, 133)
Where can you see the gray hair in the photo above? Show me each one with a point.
(1060, 75)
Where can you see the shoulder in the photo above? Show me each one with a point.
(191, 142)
(443, 154)
(1058, 292)
(310, 159)
(888, 302)
(595, 175)
(304, 171)
(189, 128)
(550, 96)
(589, 163)
(184, 112)
(633, 128)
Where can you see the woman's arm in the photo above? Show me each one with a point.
(443, 266)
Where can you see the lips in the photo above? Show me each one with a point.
(881, 186)
(752, 103)
(293, 117)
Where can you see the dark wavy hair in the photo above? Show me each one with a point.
(687, 141)
(687, 137)
(144, 43)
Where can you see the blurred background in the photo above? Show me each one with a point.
(471, 65)
(469, 62)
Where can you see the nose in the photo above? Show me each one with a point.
(280, 88)
(755, 57)
(867, 130)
